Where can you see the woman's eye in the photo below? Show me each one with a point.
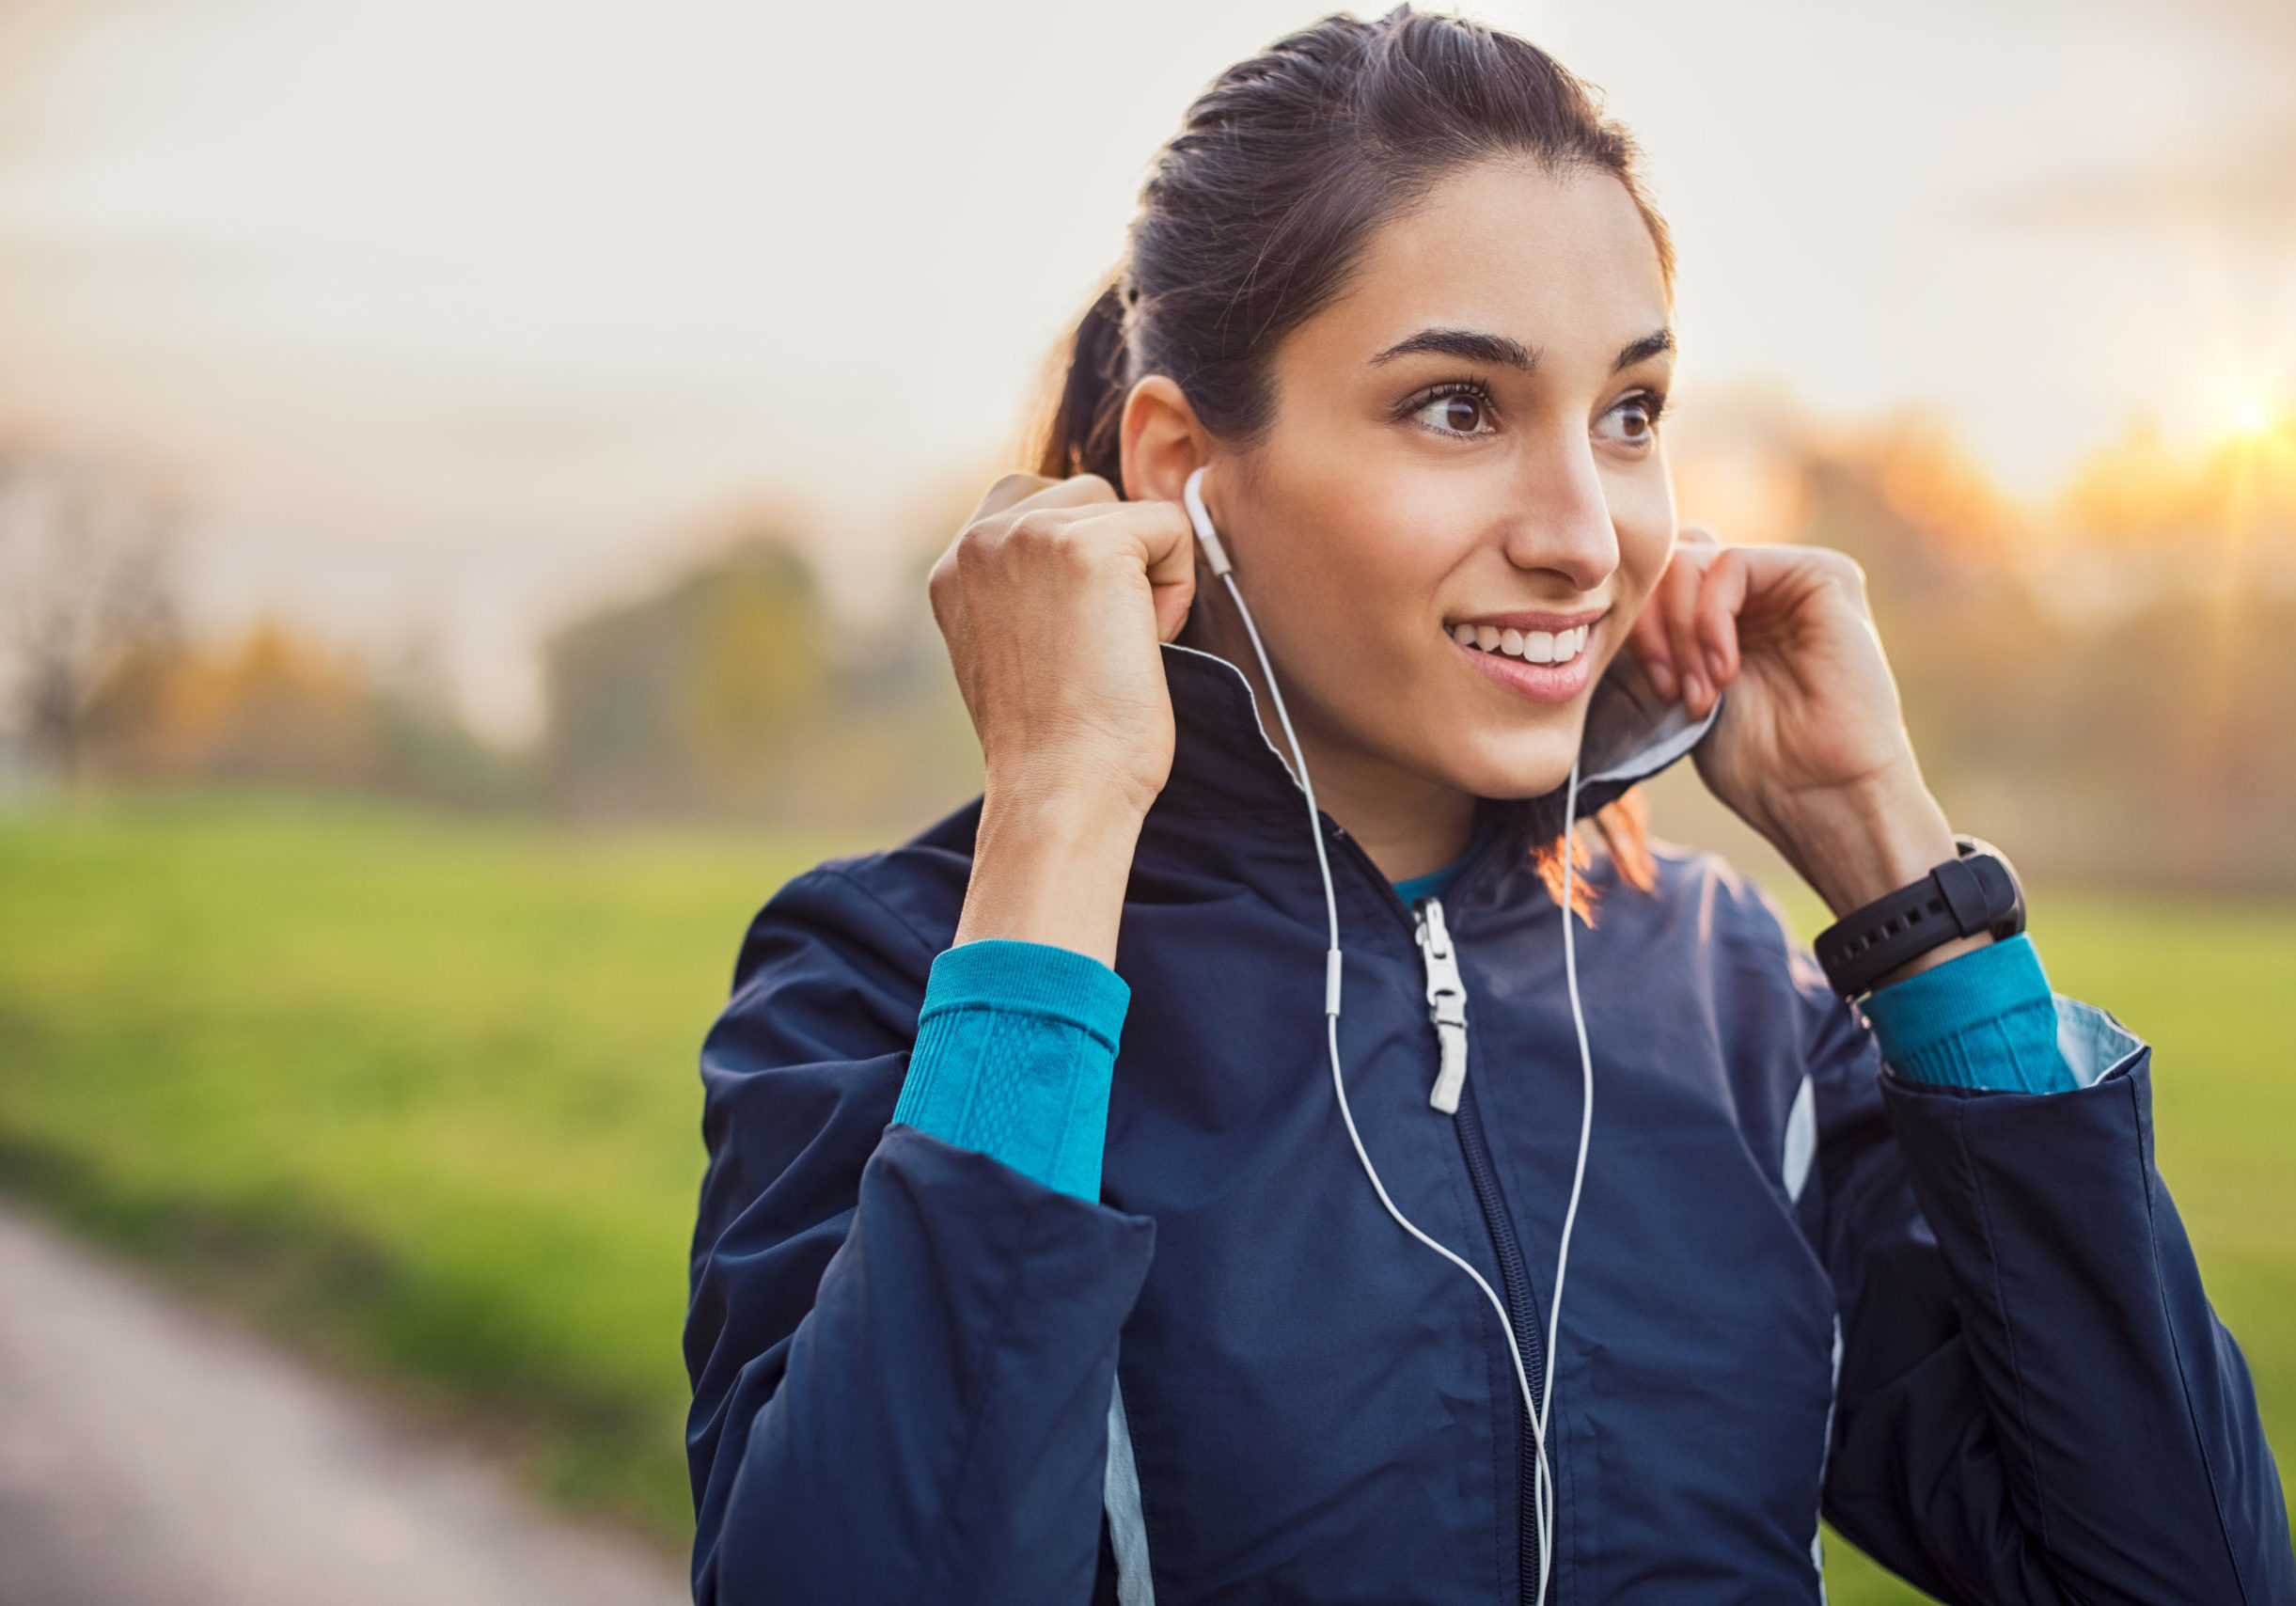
(1458, 414)
(1633, 422)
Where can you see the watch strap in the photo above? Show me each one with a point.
(1976, 893)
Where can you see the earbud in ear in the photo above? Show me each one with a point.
(1206, 537)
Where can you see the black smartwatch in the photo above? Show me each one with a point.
(1976, 893)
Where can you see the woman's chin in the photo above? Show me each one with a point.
(1518, 763)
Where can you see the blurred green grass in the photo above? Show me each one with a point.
(421, 1091)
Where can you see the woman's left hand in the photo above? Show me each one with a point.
(1811, 747)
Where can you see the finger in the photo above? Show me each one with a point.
(1720, 599)
(1008, 492)
(1646, 641)
(1077, 490)
(1696, 535)
(1652, 636)
(1026, 493)
(1173, 603)
(1167, 545)
(1678, 598)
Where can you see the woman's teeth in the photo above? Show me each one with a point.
(1531, 646)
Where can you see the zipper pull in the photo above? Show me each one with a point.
(1446, 1005)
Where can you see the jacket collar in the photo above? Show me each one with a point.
(1223, 764)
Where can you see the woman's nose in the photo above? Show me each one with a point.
(1563, 522)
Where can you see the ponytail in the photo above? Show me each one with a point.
(1082, 436)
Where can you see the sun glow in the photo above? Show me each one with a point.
(2252, 418)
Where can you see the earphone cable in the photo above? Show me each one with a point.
(1577, 1179)
(1542, 1499)
(1535, 1412)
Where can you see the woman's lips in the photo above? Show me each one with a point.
(1513, 659)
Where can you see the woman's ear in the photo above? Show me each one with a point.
(1162, 442)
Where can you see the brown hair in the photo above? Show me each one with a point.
(1624, 828)
(1257, 210)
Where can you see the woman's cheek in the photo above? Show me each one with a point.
(1643, 515)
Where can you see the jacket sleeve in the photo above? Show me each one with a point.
(901, 1352)
(2035, 1402)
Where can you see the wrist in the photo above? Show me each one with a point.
(1856, 843)
(1855, 846)
(1049, 866)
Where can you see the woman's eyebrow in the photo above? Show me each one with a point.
(1468, 344)
(1644, 350)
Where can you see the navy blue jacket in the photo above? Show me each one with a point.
(1967, 1326)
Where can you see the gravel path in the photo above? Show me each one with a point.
(151, 1456)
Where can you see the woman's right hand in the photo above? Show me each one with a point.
(1053, 599)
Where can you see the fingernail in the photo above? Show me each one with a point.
(1716, 667)
(1694, 690)
(1663, 678)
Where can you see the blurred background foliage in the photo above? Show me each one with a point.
(2102, 681)
(726, 693)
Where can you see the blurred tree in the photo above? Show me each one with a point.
(694, 699)
(755, 676)
(2101, 685)
(728, 694)
(84, 584)
(274, 708)
(2136, 731)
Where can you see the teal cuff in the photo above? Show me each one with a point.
(1015, 1052)
(1984, 1020)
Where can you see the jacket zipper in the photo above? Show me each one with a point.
(1447, 1007)
(1446, 1004)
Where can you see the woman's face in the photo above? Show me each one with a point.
(1462, 502)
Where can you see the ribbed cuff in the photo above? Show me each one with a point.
(1016, 1051)
(1032, 978)
(1985, 1020)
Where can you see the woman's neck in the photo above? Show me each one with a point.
(1409, 824)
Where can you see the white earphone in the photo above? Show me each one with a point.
(1538, 1411)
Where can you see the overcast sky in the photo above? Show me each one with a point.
(448, 315)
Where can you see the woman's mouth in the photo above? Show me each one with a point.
(1530, 646)
(1546, 665)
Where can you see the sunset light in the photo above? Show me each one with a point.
(2253, 418)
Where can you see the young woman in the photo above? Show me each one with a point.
(1510, 1255)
